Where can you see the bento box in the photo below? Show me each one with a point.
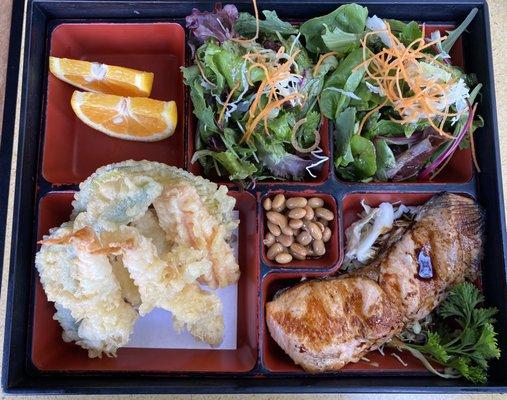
(53, 153)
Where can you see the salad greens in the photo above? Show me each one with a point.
(259, 87)
(464, 339)
(256, 101)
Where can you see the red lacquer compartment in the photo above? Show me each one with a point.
(51, 353)
(352, 203)
(321, 176)
(73, 150)
(333, 251)
(459, 169)
(275, 360)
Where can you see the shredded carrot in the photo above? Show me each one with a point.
(226, 102)
(440, 169)
(248, 41)
(276, 69)
(202, 72)
(251, 125)
(369, 114)
(321, 60)
(474, 154)
(392, 68)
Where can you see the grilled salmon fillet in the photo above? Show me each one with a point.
(324, 324)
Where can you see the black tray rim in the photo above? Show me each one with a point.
(114, 383)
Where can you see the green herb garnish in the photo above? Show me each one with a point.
(464, 340)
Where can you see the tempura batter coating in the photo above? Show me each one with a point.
(186, 222)
(116, 259)
(83, 286)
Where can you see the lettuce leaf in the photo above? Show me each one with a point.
(333, 102)
(365, 159)
(271, 24)
(236, 168)
(453, 35)
(385, 159)
(218, 24)
(346, 19)
(229, 65)
(281, 163)
(406, 32)
(344, 130)
(340, 41)
(201, 109)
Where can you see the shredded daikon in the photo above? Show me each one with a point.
(432, 89)
(363, 234)
(279, 84)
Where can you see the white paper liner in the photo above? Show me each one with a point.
(155, 331)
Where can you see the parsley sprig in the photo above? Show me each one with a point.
(465, 339)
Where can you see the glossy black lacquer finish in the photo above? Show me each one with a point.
(19, 375)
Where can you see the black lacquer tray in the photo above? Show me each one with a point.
(37, 200)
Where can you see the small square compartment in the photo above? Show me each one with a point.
(275, 360)
(352, 203)
(197, 169)
(49, 353)
(72, 149)
(460, 168)
(333, 248)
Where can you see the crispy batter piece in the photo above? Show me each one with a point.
(186, 222)
(88, 297)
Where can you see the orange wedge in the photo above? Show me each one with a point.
(129, 118)
(102, 78)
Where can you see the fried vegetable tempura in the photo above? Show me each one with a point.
(119, 257)
(187, 223)
(80, 280)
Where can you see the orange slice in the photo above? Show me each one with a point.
(102, 78)
(129, 118)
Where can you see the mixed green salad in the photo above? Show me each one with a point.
(261, 87)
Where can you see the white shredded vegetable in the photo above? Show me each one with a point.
(352, 95)
(435, 35)
(362, 235)
(374, 89)
(377, 24)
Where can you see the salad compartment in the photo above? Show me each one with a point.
(459, 168)
(56, 151)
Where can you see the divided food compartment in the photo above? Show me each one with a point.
(50, 353)
(334, 252)
(273, 357)
(71, 151)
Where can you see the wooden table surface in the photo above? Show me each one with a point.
(498, 14)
